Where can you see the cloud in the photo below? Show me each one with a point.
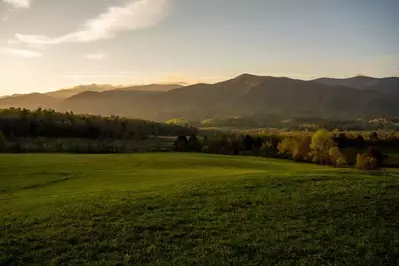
(20, 53)
(36, 46)
(138, 14)
(13, 42)
(96, 56)
(19, 3)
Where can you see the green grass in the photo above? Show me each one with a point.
(193, 209)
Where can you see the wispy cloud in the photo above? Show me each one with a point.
(5, 13)
(20, 53)
(13, 42)
(134, 15)
(19, 3)
(12, 5)
(96, 56)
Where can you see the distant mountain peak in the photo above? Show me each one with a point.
(153, 87)
(248, 76)
(68, 92)
(389, 85)
(362, 76)
(243, 95)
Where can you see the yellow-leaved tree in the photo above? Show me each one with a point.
(320, 146)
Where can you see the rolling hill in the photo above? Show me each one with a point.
(245, 95)
(388, 86)
(193, 209)
(66, 93)
(29, 101)
(151, 87)
(115, 102)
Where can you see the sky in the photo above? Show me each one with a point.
(50, 44)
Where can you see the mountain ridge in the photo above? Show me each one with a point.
(386, 85)
(244, 95)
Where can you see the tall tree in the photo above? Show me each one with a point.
(321, 145)
(194, 144)
(3, 141)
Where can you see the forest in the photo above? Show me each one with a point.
(364, 150)
(44, 130)
(24, 123)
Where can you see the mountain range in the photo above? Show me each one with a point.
(245, 95)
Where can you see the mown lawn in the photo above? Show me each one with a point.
(193, 209)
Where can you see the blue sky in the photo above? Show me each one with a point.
(49, 44)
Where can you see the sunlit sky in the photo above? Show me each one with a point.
(50, 44)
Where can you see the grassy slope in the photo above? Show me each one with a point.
(155, 209)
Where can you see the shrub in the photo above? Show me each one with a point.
(373, 136)
(302, 148)
(336, 157)
(341, 162)
(194, 144)
(377, 153)
(374, 164)
(40, 144)
(205, 149)
(247, 143)
(342, 140)
(286, 146)
(256, 151)
(296, 148)
(364, 161)
(16, 147)
(297, 156)
(181, 143)
(360, 142)
(214, 146)
(268, 149)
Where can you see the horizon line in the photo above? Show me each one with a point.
(185, 83)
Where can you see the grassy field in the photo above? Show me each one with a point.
(194, 209)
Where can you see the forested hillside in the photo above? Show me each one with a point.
(388, 86)
(243, 96)
(17, 123)
(66, 93)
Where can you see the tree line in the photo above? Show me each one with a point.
(43, 130)
(322, 147)
(24, 123)
(296, 123)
